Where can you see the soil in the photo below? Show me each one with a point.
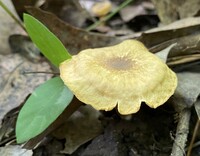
(146, 133)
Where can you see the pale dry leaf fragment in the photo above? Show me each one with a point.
(190, 8)
(170, 10)
(12, 89)
(187, 90)
(136, 9)
(7, 27)
(163, 54)
(124, 75)
(15, 150)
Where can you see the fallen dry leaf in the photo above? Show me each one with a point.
(163, 54)
(129, 12)
(24, 46)
(170, 10)
(187, 90)
(20, 6)
(67, 11)
(186, 51)
(16, 86)
(7, 27)
(183, 23)
(80, 128)
(187, 45)
(74, 39)
(187, 11)
(179, 61)
(159, 35)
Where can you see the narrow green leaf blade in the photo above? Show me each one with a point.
(46, 41)
(45, 104)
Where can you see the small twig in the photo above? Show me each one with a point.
(193, 137)
(12, 15)
(9, 78)
(196, 144)
(181, 133)
(7, 140)
(39, 72)
(106, 18)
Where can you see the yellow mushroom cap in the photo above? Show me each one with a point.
(101, 8)
(123, 75)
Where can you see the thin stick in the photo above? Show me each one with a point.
(195, 145)
(109, 15)
(12, 15)
(193, 137)
(39, 72)
(181, 133)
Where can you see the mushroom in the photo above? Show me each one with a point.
(101, 9)
(122, 75)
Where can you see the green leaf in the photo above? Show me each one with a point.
(46, 41)
(45, 104)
